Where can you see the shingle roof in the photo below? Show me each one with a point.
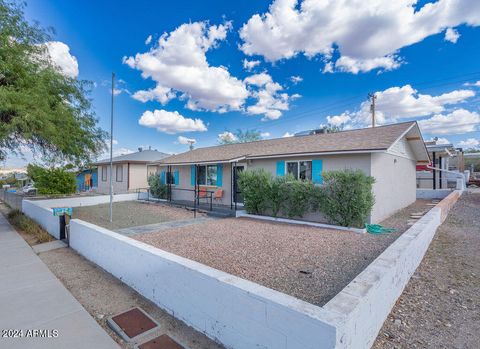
(367, 139)
(143, 156)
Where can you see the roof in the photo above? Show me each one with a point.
(143, 156)
(364, 140)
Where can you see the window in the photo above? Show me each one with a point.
(104, 173)
(300, 169)
(119, 173)
(207, 175)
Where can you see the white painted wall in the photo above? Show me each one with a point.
(41, 210)
(236, 312)
(395, 184)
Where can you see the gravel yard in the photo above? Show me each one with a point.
(130, 214)
(440, 307)
(309, 263)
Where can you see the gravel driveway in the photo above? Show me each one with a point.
(309, 263)
(440, 307)
(130, 214)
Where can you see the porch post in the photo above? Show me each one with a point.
(235, 185)
(440, 175)
(434, 171)
(231, 185)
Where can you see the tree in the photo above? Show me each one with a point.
(40, 107)
(241, 136)
(52, 180)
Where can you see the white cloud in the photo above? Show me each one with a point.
(396, 103)
(457, 122)
(288, 134)
(60, 56)
(161, 94)
(470, 143)
(270, 102)
(265, 134)
(178, 62)
(148, 40)
(296, 79)
(476, 84)
(185, 140)
(170, 122)
(226, 137)
(338, 120)
(368, 34)
(439, 140)
(452, 35)
(249, 65)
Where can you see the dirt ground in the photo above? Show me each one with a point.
(440, 307)
(128, 214)
(309, 263)
(103, 295)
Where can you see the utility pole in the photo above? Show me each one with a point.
(111, 149)
(373, 98)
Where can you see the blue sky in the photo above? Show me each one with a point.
(422, 62)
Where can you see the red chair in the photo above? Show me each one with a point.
(218, 194)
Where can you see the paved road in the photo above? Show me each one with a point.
(32, 298)
(440, 307)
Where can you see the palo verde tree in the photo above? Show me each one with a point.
(40, 107)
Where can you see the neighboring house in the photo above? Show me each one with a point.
(87, 179)
(388, 153)
(450, 164)
(130, 171)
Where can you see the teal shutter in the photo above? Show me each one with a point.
(219, 174)
(192, 175)
(162, 178)
(317, 168)
(175, 177)
(280, 168)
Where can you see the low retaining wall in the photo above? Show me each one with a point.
(366, 302)
(433, 193)
(241, 314)
(244, 213)
(41, 210)
(233, 311)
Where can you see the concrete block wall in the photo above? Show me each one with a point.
(233, 311)
(41, 210)
(369, 298)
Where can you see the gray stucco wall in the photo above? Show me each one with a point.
(395, 184)
(118, 187)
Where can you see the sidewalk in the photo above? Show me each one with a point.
(32, 298)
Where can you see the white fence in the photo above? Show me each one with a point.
(242, 314)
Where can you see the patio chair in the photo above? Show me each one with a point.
(218, 195)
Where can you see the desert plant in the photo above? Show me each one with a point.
(298, 194)
(277, 194)
(347, 197)
(157, 189)
(27, 225)
(254, 185)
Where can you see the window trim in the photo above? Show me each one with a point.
(206, 175)
(116, 173)
(104, 171)
(298, 168)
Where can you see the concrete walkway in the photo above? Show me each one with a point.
(153, 228)
(32, 298)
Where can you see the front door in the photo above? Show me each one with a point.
(238, 197)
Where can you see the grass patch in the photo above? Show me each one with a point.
(28, 226)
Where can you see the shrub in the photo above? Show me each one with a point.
(298, 196)
(52, 180)
(254, 185)
(157, 189)
(347, 197)
(276, 194)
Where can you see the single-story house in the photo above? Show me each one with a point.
(130, 171)
(388, 153)
(87, 179)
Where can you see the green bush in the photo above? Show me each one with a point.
(52, 180)
(347, 197)
(254, 185)
(157, 189)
